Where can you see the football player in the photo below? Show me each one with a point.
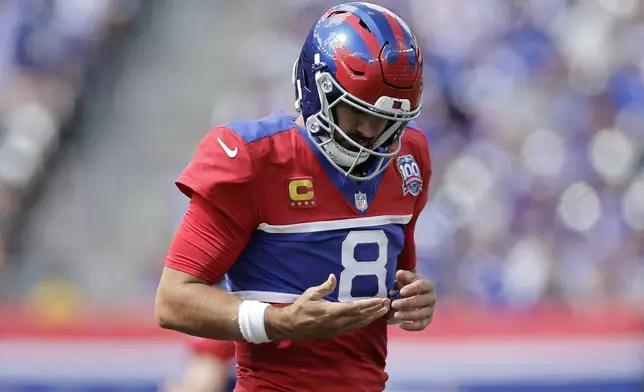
(311, 217)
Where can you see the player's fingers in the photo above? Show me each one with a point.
(357, 307)
(375, 316)
(415, 325)
(349, 324)
(414, 315)
(326, 288)
(406, 277)
(416, 288)
(362, 312)
(340, 311)
(363, 317)
(415, 302)
(385, 304)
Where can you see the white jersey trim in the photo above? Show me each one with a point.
(340, 224)
(266, 296)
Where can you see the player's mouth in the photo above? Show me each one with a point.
(357, 138)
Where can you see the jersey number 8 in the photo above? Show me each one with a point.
(354, 268)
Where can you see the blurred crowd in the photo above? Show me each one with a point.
(534, 110)
(535, 114)
(47, 49)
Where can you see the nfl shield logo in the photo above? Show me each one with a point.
(361, 201)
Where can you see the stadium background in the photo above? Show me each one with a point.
(534, 233)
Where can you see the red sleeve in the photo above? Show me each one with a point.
(221, 216)
(215, 174)
(407, 258)
(224, 350)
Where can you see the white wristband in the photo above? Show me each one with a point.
(251, 321)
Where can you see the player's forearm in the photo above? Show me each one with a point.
(199, 310)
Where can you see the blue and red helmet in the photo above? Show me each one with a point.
(365, 56)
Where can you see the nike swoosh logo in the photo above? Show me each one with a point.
(229, 152)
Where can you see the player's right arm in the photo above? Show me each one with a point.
(220, 221)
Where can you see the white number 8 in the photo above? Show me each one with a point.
(353, 267)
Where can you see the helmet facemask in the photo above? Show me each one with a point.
(325, 133)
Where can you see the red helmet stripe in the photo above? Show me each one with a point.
(368, 38)
(401, 41)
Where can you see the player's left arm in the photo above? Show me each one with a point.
(415, 307)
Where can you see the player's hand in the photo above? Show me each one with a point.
(311, 317)
(415, 308)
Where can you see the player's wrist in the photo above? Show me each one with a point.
(251, 320)
(277, 323)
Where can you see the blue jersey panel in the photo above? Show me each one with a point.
(364, 261)
(414, 125)
(254, 130)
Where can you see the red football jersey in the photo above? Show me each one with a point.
(220, 349)
(283, 219)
